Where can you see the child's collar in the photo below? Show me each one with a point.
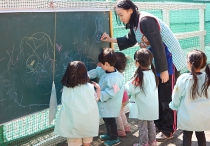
(111, 71)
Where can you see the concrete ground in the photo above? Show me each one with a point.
(132, 137)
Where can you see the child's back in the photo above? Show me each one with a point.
(78, 119)
(191, 99)
(78, 104)
(193, 115)
(144, 97)
(147, 101)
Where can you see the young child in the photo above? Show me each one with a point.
(191, 98)
(143, 88)
(78, 105)
(166, 124)
(157, 33)
(112, 87)
(122, 123)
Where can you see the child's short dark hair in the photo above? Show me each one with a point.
(76, 74)
(121, 61)
(107, 55)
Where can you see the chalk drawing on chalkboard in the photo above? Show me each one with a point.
(2, 59)
(33, 45)
(98, 32)
(37, 53)
(58, 48)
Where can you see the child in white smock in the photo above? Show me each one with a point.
(122, 123)
(191, 99)
(78, 105)
(112, 87)
(144, 97)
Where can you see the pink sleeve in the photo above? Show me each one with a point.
(125, 97)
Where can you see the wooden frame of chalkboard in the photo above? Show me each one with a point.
(35, 49)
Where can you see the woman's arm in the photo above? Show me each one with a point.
(123, 42)
(150, 29)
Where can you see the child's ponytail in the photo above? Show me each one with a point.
(154, 71)
(139, 78)
(207, 81)
(194, 86)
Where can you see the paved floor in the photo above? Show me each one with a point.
(132, 137)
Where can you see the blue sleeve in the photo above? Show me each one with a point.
(131, 88)
(94, 73)
(177, 94)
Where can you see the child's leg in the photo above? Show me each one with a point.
(74, 141)
(120, 126)
(87, 141)
(113, 135)
(124, 119)
(151, 133)
(187, 136)
(143, 132)
(201, 138)
(119, 121)
(111, 127)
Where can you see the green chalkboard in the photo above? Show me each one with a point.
(32, 44)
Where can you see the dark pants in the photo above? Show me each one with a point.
(111, 128)
(167, 117)
(187, 136)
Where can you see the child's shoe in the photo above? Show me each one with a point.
(121, 133)
(127, 129)
(104, 137)
(112, 142)
(160, 137)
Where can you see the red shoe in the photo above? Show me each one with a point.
(127, 129)
(121, 133)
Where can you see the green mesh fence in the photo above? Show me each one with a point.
(34, 129)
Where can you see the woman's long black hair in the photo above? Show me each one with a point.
(126, 5)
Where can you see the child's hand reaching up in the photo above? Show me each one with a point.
(98, 90)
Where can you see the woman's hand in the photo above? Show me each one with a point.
(164, 76)
(106, 38)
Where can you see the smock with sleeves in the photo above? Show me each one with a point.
(112, 89)
(193, 115)
(143, 105)
(79, 115)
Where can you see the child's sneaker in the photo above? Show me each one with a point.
(112, 142)
(104, 137)
(127, 129)
(160, 137)
(121, 133)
